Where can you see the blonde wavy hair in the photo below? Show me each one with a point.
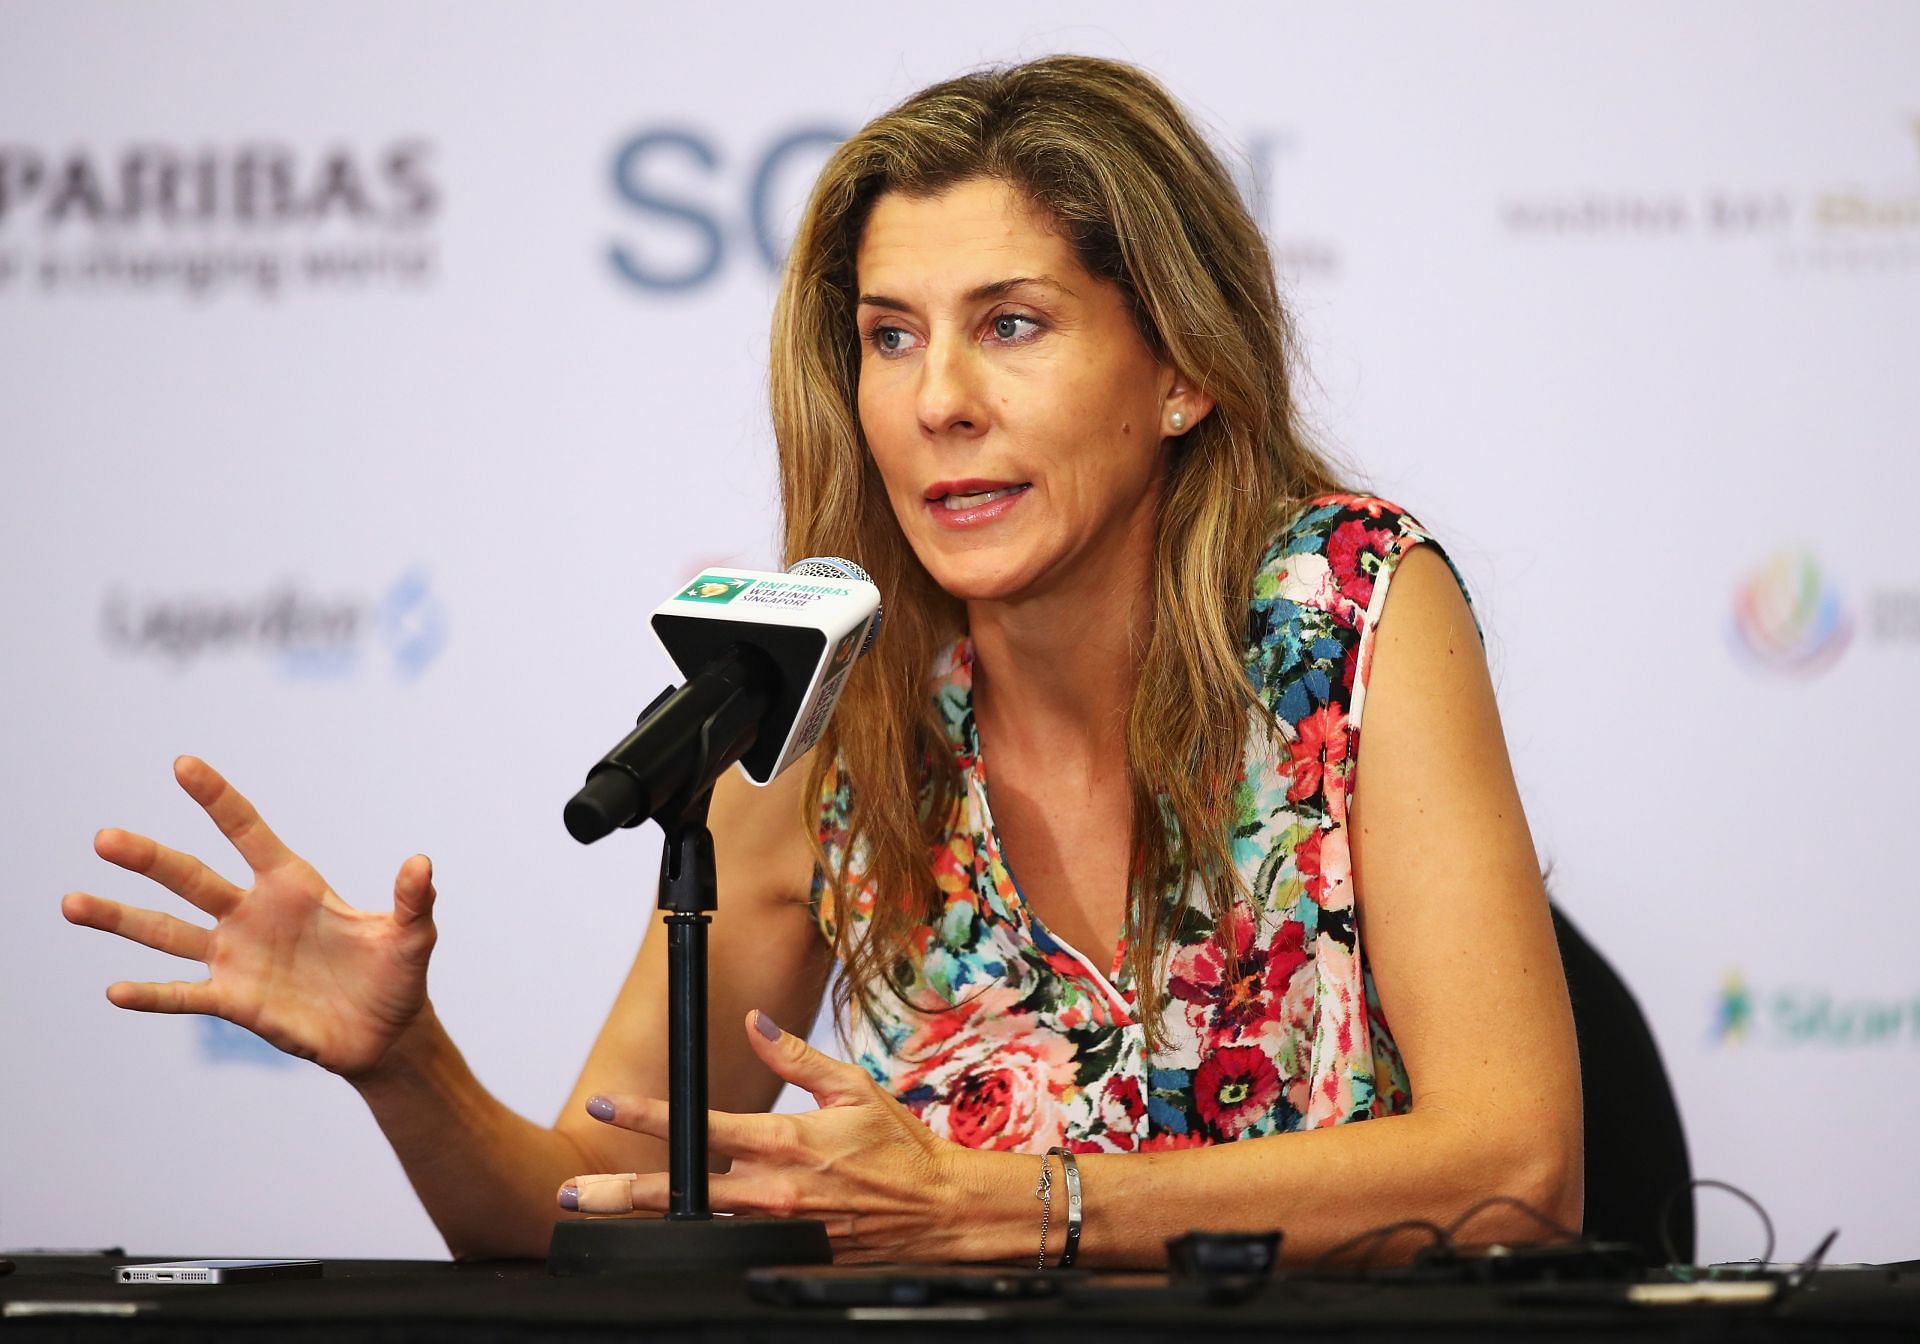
(1150, 207)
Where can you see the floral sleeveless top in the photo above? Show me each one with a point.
(1033, 1044)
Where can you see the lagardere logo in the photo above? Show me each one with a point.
(413, 624)
(307, 634)
(1788, 617)
(1798, 1015)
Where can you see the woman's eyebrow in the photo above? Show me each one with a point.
(993, 289)
(1001, 288)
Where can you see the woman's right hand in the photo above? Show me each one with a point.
(286, 958)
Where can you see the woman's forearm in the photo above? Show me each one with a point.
(1322, 1187)
(486, 1175)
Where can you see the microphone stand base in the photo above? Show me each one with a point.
(583, 1247)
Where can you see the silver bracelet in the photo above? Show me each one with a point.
(1044, 1193)
(1071, 1164)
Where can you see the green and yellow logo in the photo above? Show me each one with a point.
(1802, 1015)
(714, 588)
(1735, 1012)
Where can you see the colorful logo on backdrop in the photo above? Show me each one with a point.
(1734, 1015)
(1805, 1015)
(413, 624)
(305, 634)
(1789, 617)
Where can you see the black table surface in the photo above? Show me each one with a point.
(69, 1296)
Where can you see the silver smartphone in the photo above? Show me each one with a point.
(218, 1271)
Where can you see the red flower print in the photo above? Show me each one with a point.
(1169, 1142)
(1198, 971)
(1197, 975)
(1000, 1087)
(1122, 1104)
(1354, 551)
(979, 1108)
(1249, 1000)
(1306, 859)
(1287, 954)
(1234, 1087)
(1324, 862)
(1320, 746)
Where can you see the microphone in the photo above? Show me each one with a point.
(766, 657)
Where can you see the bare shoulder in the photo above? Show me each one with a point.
(1434, 802)
(1427, 644)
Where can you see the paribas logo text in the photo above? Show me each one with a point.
(199, 221)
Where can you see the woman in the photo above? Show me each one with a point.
(1029, 368)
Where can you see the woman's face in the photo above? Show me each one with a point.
(1015, 414)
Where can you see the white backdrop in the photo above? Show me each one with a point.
(368, 371)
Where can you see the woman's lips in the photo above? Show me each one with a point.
(971, 503)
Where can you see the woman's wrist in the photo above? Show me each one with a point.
(409, 1058)
(992, 1212)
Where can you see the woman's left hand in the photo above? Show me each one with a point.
(885, 1185)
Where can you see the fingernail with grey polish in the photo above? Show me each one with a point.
(599, 1108)
(570, 1197)
(765, 1025)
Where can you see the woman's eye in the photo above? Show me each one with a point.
(1014, 327)
(890, 340)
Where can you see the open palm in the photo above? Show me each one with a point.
(286, 958)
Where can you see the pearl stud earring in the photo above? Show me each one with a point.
(1178, 420)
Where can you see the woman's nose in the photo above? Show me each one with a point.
(948, 400)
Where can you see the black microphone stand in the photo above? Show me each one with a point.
(690, 1238)
(688, 896)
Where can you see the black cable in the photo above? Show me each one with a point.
(1805, 1271)
(1666, 1216)
(1379, 1235)
(1442, 1237)
(1495, 1201)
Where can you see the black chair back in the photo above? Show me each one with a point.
(1636, 1148)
